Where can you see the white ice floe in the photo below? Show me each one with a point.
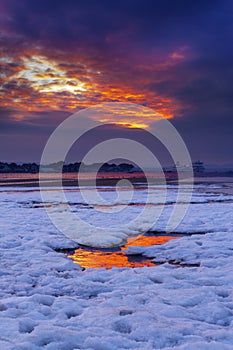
(109, 219)
(48, 302)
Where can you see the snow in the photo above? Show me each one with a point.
(48, 302)
(107, 220)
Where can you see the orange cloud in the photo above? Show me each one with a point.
(31, 81)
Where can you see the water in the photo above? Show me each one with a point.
(69, 179)
(108, 258)
(84, 256)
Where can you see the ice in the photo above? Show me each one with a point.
(48, 302)
(114, 219)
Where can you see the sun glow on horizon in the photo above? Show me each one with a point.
(131, 125)
(129, 115)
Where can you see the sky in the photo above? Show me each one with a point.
(58, 57)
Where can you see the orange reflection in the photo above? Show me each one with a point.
(102, 259)
(98, 259)
(147, 241)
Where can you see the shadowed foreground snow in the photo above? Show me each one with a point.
(48, 302)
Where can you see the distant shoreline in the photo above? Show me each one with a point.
(107, 179)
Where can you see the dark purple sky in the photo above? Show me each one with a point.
(60, 56)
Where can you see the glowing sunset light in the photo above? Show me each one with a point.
(59, 59)
(132, 125)
(116, 174)
(98, 258)
(46, 76)
(47, 81)
(120, 114)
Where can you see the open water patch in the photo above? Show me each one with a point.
(89, 257)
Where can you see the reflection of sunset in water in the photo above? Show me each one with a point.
(107, 259)
(98, 259)
(146, 241)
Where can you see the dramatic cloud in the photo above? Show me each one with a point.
(173, 56)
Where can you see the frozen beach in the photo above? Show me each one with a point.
(184, 302)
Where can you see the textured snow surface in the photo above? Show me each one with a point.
(48, 302)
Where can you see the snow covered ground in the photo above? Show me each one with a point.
(48, 302)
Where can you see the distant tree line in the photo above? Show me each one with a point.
(34, 168)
